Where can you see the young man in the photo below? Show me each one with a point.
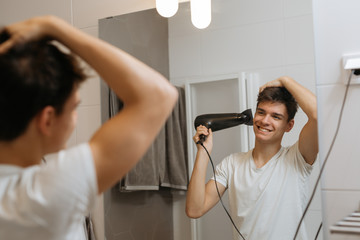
(38, 100)
(267, 185)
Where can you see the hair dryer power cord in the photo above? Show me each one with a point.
(217, 189)
(327, 155)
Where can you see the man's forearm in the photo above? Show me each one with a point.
(196, 190)
(304, 97)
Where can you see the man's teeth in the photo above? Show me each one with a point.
(263, 129)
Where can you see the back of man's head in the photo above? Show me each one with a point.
(33, 75)
(280, 95)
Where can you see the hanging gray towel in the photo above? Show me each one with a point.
(145, 174)
(175, 174)
(165, 162)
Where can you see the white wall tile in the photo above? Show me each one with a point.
(251, 46)
(294, 8)
(268, 74)
(17, 10)
(235, 13)
(185, 58)
(336, 35)
(227, 14)
(87, 12)
(304, 74)
(299, 40)
(343, 165)
(88, 122)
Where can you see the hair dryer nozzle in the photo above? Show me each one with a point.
(247, 114)
(219, 121)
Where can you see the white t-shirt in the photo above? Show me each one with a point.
(48, 201)
(267, 202)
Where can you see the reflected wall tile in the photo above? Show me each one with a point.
(293, 8)
(252, 46)
(242, 12)
(335, 36)
(185, 59)
(267, 74)
(299, 40)
(304, 74)
(226, 14)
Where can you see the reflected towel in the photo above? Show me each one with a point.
(145, 174)
(165, 162)
(175, 174)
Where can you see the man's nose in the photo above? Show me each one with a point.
(266, 118)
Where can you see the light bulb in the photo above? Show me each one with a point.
(167, 8)
(200, 13)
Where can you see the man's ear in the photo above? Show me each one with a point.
(290, 125)
(46, 119)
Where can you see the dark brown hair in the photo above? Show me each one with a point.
(32, 76)
(281, 95)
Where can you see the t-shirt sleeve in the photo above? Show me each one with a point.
(222, 172)
(302, 166)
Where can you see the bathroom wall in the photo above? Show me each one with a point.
(336, 34)
(336, 24)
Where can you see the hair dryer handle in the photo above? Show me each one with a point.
(202, 139)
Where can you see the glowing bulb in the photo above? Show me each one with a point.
(200, 13)
(167, 8)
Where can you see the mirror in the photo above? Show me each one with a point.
(247, 42)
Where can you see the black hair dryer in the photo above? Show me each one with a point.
(219, 121)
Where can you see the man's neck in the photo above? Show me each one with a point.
(262, 153)
(21, 152)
